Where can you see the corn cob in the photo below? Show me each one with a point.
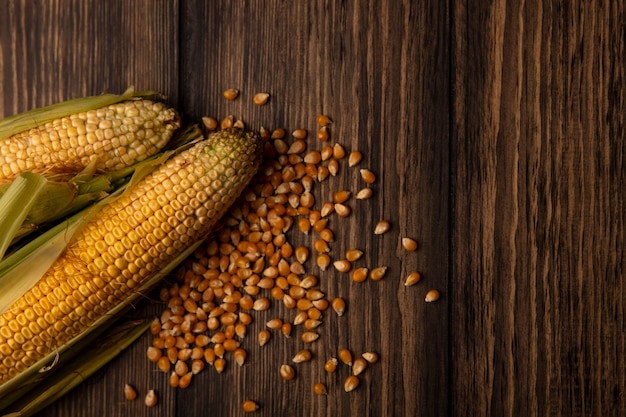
(117, 135)
(117, 251)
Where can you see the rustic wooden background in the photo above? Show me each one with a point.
(497, 131)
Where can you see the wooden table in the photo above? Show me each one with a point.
(496, 129)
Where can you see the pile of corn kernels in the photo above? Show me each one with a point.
(250, 264)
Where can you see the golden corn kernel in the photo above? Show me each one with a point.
(409, 244)
(299, 133)
(321, 246)
(227, 122)
(239, 124)
(261, 99)
(278, 133)
(368, 176)
(359, 274)
(412, 279)
(174, 380)
(308, 282)
(323, 120)
(231, 93)
(327, 209)
(354, 158)
(313, 157)
(342, 265)
(327, 234)
(286, 329)
(342, 210)
(358, 366)
(219, 365)
(364, 194)
(185, 380)
(300, 318)
(323, 261)
(297, 147)
(261, 304)
(310, 337)
(240, 355)
(287, 372)
(338, 151)
(333, 167)
(345, 356)
(378, 273)
(304, 355)
(351, 383)
(370, 357)
(322, 134)
(154, 354)
(304, 225)
(311, 324)
(274, 324)
(263, 337)
(197, 365)
(151, 399)
(432, 296)
(382, 226)
(326, 152)
(331, 365)
(210, 123)
(339, 306)
(129, 392)
(341, 196)
(250, 406)
(320, 389)
(353, 255)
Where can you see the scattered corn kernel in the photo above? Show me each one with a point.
(339, 305)
(354, 158)
(304, 355)
(263, 337)
(409, 244)
(261, 99)
(432, 296)
(368, 176)
(412, 279)
(231, 93)
(287, 372)
(345, 356)
(129, 392)
(342, 210)
(151, 399)
(382, 226)
(378, 273)
(331, 365)
(358, 366)
(320, 389)
(353, 255)
(364, 194)
(299, 133)
(322, 134)
(310, 337)
(323, 120)
(359, 274)
(351, 383)
(371, 357)
(210, 123)
(249, 406)
(342, 265)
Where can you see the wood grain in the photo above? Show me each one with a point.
(496, 129)
(538, 224)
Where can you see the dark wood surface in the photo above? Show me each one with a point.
(496, 129)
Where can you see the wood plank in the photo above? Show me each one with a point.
(538, 222)
(60, 49)
(380, 70)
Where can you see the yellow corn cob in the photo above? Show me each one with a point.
(117, 135)
(118, 250)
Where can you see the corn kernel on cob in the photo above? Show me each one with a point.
(117, 135)
(117, 251)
